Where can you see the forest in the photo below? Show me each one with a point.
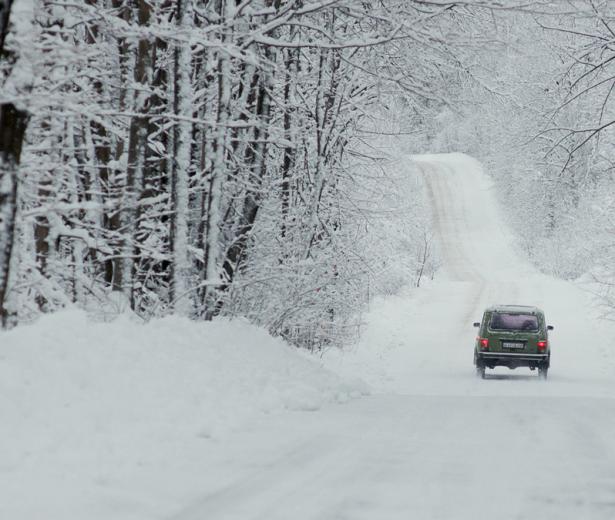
(247, 157)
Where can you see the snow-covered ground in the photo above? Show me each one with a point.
(184, 421)
(120, 420)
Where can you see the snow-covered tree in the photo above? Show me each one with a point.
(233, 158)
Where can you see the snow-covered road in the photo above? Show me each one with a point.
(422, 457)
(434, 442)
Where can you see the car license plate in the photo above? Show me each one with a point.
(513, 345)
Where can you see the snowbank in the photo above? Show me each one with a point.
(96, 414)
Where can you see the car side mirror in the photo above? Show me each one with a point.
(477, 324)
(549, 327)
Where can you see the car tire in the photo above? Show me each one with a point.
(480, 370)
(542, 372)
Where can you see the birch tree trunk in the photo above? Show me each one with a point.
(182, 105)
(212, 253)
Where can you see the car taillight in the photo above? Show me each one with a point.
(484, 343)
(542, 345)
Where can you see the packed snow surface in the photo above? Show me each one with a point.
(185, 421)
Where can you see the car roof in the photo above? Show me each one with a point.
(520, 309)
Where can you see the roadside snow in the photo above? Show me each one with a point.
(101, 419)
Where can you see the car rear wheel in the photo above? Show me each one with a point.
(480, 370)
(542, 372)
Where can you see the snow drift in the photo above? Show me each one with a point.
(94, 410)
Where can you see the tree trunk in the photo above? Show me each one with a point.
(288, 161)
(212, 253)
(137, 154)
(13, 124)
(255, 159)
(102, 154)
(182, 106)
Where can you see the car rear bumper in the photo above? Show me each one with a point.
(512, 359)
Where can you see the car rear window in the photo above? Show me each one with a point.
(506, 321)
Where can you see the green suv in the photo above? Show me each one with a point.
(512, 336)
